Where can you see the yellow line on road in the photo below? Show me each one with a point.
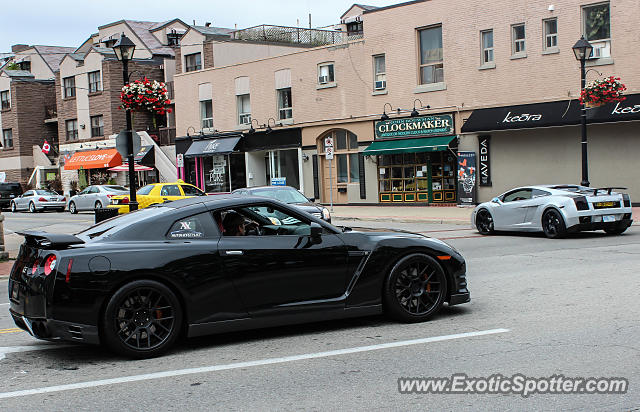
(11, 330)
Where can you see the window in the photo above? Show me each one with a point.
(518, 39)
(355, 28)
(596, 20)
(97, 126)
(95, 84)
(262, 220)
(244, 109)
(431, 59)
(5, 100)
(69, 86)
(170, 190)
(173, 38)
(192, 191)
(193, 227)
(145, 190)
(550, 34)
(520, 194)
(206, 114)
(346, 156)
(284, 104)
(72, 129)
(7, 138)
(25, 65)
(326, 73)
(487, 46)
(193, 62)
(379, 73)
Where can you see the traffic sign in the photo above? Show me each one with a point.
(329, 152)
(121, 143)
(180, 160)
(328, 141)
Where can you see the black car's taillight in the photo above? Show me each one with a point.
(626, 200)
(50, 264)
(581, 203)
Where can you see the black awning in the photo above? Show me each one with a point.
(276, 139)
(145, 156)
(210, 147)
(523, 116)
(559, 113)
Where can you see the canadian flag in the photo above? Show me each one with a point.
(46, 147)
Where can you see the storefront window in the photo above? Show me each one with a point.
(343, 171)
(284, 164)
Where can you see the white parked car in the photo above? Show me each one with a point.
(38, 200)
(95, 197)
(555, 210)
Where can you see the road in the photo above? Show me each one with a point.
(539, 307)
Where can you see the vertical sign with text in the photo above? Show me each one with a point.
(484, 160)
(467, 178)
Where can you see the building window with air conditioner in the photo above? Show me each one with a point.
(244, 109)
(206, 114)
(596, 27)
(326, 74)
(379, 73)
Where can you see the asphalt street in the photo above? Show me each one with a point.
(539, 307)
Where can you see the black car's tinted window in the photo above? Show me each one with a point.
(198, 226)
(115, 224)
(521, 194)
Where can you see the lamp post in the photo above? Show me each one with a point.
(124, 49)
(582, 49)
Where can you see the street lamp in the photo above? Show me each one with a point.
(124, 49)
(582, 49)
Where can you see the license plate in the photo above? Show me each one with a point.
(608, 218)
(605, 204)
(15, 294)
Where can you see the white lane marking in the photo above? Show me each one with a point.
(261, 362)
(30, 348)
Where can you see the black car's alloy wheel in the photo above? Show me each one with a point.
(142, 319)
(415, 289)
(553, 224)
(484, 222)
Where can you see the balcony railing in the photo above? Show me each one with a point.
(50, 112)
(292, 35)
(164, 136)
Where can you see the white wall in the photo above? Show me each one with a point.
(255, 165)
(234, 52)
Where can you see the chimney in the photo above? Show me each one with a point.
(17, 48)
(207, 24)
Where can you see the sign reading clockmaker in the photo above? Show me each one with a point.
(437, 125)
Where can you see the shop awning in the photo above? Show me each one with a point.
(210, 147)
(93, 159)
(125, 168)
(424, 144)
(145, 155)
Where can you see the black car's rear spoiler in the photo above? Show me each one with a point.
(608, 189)
(46, 240)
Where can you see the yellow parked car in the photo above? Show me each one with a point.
(156, 193)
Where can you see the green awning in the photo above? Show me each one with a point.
(423, 144)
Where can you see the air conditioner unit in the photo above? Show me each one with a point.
(245, 119)
(323, 79)
(600, 50)
(381, 84)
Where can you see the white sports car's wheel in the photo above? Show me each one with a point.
(484, 222)
(32, 207)
(553, 224)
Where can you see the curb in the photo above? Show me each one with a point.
(443, 221)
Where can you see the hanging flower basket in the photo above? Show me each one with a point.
(603, 91)
(145, 95)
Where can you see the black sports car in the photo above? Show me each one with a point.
(207, 265)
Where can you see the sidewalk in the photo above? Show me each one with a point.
(5, 267)
(448, 215)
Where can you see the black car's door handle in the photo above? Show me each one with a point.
(233, 252)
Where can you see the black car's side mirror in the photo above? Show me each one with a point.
(311, 199)
(316, 230)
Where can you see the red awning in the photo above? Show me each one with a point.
(94, 159)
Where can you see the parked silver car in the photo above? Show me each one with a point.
(555, 210)
(95, 197)
(38, 200)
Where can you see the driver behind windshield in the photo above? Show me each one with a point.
(233, 224)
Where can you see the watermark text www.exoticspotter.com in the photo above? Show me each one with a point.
(516, 384)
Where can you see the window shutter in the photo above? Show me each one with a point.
(363, 184)
(316, 183)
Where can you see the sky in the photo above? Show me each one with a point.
(69, 23)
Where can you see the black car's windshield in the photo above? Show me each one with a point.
(115, 188)
(115, 224)
(286, 195)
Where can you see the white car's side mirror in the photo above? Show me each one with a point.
(496, 200)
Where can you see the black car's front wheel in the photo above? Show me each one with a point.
(415, 289)
(142, 319)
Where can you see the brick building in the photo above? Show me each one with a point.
(502, 69)
(28, 113)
